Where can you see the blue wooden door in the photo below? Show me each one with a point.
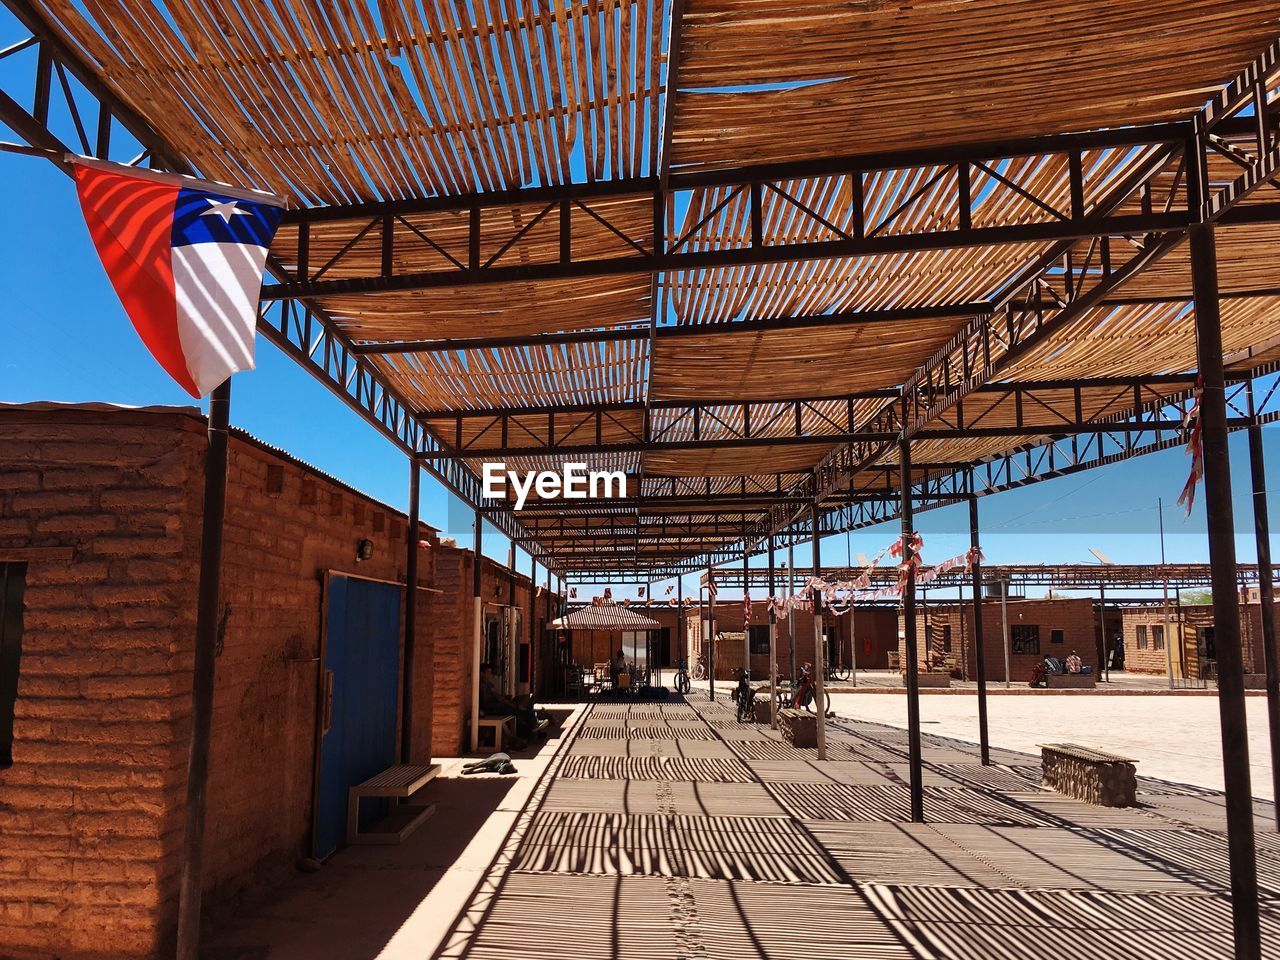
(358, 699)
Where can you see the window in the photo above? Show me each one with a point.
(760, 639)
(946, 638)
(1057, 636)
(1025, 638)
(1157, 637)
(275, 478)
(13, 581)
(1142, 636)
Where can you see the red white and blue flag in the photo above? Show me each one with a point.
(186, 258)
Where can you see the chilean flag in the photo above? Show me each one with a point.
(186, 259)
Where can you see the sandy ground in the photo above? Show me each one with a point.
(1173, 738)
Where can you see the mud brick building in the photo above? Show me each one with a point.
(1191, 637)
(1037, 629)
(873, 628)
(100, 512)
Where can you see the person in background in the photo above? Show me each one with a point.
(1073, 662)
(493, 704)
(617, 666)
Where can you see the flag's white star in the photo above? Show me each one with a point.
(226, 209)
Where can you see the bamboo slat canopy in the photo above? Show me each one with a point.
(721, 244)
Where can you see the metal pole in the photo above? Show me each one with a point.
(1102, 628)
(1168, 637)
(819, 654)
(773, 645)
(1266, 599)
(477, 634)
(681, 640)
(746, 609)
(215, 503)
(980, 658)
(853, 640)
(711, 631)
(410, 618)
(1226, 604)
(909, 631)
(791, 614)
(1004, 626)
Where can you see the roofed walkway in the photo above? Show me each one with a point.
(671, 831)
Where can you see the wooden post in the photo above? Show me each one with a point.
(206, 653)
(410, 617)
(909, 632)
(1226, 603)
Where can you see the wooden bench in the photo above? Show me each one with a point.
(930, 679)
(499, 729)
(1089, 775)
(398, 784)
(799, 727)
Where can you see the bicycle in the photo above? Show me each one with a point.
(835, 672)
(700, 668)
(683, 685)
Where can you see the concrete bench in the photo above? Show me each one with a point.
(500, 728)
(1089, 775)
(931, 679)
(799, 727)
(397, 783)
(1070, 681)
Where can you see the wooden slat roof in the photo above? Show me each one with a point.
(359, 101)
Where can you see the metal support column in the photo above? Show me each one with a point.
(1266, 597)
(681, 641)
(746, 609)
(980, 655)
(410, 617)
(1226, 602)
(791, 615)
(477, 633)
(909, 632)
(711, 636)
(773, 645)
(206, 653)
(819, 654)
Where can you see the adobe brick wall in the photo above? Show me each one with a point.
(1075, 616)
(91, 813)
(452, 616)
(878, 625)
(86, 811)
(280, 533)
(1192, 617)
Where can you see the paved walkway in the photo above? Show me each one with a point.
(671, 831)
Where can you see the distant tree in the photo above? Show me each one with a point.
(1196, 598)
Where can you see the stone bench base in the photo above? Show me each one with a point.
(1089, 775)
(930, 679)
(1071, 681)
(799, 728)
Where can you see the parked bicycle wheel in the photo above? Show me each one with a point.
(699, 671)
(840, 672)
(682, 682)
